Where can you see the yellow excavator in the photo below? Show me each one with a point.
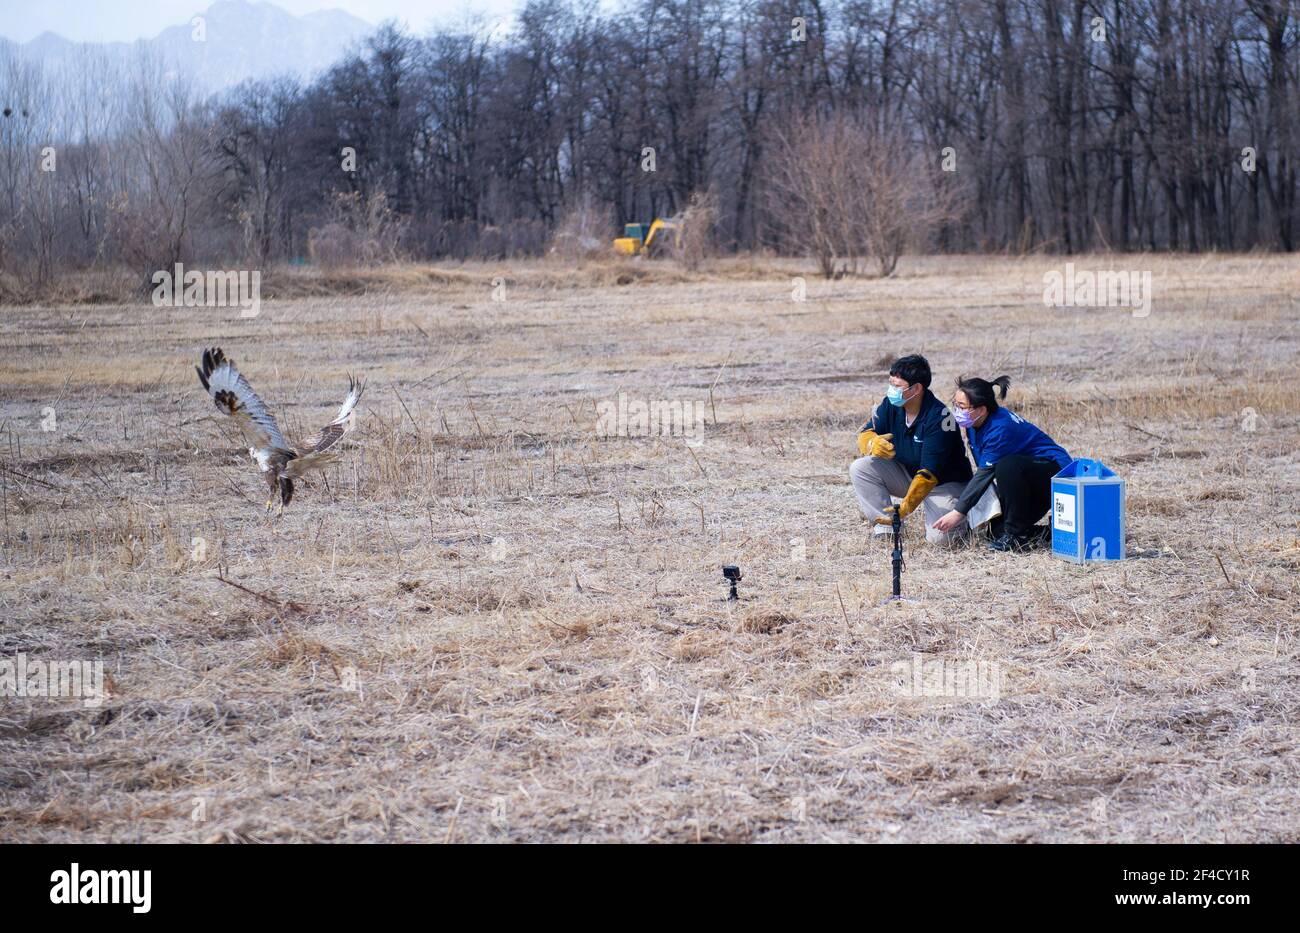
(646, 239)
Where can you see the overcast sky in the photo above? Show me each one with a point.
(123, 20)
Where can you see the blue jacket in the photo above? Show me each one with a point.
(1004, 433)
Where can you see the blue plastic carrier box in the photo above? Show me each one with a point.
(1088, 513)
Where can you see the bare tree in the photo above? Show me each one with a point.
(174, 172)
(845, 190)
(695, 225)
(255, 149)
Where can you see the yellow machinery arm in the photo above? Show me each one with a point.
(642, 238)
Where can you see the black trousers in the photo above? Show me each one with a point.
(1024, 487)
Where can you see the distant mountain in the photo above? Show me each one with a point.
(239, 40)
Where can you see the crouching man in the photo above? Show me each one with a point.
(911, 449)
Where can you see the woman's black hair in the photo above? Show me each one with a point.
(979, 392)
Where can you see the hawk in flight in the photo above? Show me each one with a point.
(280, 462)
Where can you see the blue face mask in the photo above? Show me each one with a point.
(895, 395)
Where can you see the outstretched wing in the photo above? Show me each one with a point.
(343, 422)
(233, 395)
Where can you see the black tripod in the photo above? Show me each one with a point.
(898, 555)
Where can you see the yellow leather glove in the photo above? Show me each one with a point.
(871, 444)
(922, 484)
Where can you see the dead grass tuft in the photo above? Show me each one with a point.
(765, 622)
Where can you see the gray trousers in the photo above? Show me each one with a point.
(877, 481)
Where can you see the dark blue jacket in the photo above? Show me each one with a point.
(932, 442)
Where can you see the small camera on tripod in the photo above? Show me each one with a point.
(731, 573)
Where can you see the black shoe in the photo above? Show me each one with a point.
(1029, 541)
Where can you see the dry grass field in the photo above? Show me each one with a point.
(491, 624)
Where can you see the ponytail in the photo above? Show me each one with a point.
(979, 392)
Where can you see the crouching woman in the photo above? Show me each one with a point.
(1017, 458)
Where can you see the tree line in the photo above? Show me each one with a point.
(1055, 125)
